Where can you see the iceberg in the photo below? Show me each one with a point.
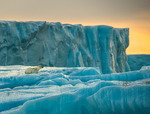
(73, 90)
(64, 45)
(86, 70)
(136, 62)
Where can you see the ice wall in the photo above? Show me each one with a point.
(137, 61)
(63, 45)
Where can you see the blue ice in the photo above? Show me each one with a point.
(78, 90)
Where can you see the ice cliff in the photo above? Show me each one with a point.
(73, 91)
(64, 45)
(137, 61)
(84, 74)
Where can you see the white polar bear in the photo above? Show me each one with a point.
(33, 70)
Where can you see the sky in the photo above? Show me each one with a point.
(132, 14)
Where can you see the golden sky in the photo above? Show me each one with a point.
(133, 14)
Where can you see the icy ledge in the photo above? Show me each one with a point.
(64, 45)
(73, 91)
(137, 61)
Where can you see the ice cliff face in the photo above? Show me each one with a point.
(137, 61)
(63, 45)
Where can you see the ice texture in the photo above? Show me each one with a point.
(84, 70)
(76, 90)
(137, 61)
(64, 45)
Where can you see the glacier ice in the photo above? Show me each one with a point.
(64, 45)
(137, 61)
(72, 90)
(85, 70)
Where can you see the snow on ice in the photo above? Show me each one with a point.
(75, 90)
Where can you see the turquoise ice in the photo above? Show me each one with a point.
(86, 70)
(79, 90)
(64, 45)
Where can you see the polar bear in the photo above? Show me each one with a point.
(33, 70)
(125, 83)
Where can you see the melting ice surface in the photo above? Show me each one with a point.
(75, 90)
